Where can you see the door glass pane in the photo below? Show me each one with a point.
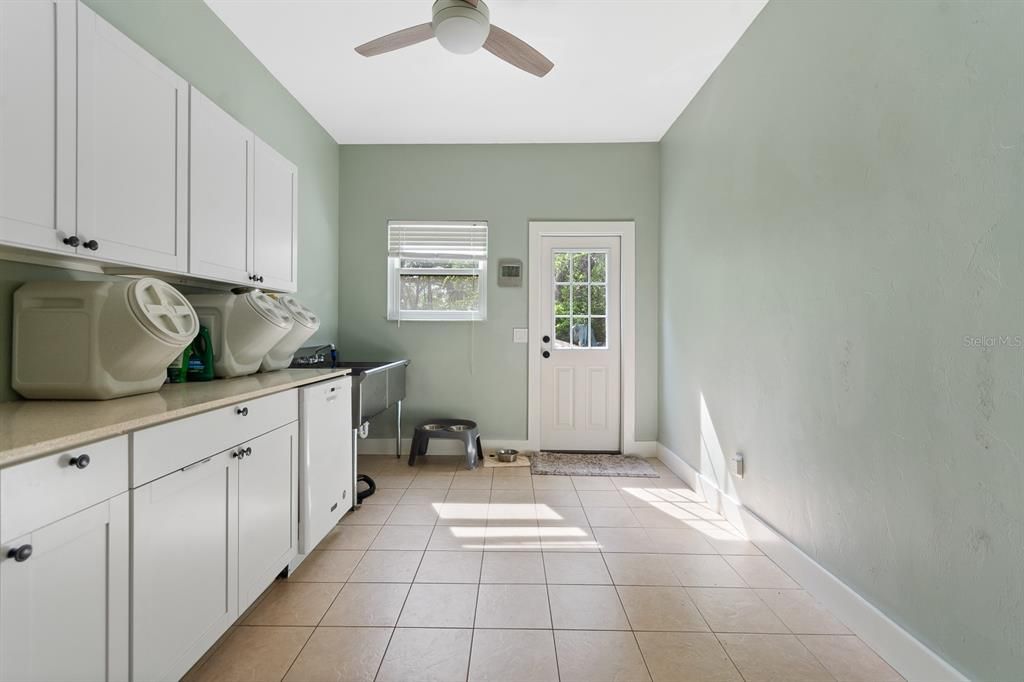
(581, 332)
(598, 300)
(580, 269)
(580, 300)
(561, 300)
(599, 336)
(598, 267)
(562, 325)
(560, 267)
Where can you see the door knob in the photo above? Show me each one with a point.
(79, 462)
(72, 241)
(546, 354)
(546, 339)
(92, 245)
(20, 554)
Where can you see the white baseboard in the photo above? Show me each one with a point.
(386, 446)
(899, 648)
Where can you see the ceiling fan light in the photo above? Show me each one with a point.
(460, 27)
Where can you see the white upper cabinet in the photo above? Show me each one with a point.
(37, 124)
(275, 244)
(220, 181)
(132, 151)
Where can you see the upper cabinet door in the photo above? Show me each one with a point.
(220, 186)
(132, 151)
(37, 124)
(275, 228)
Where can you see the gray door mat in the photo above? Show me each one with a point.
(566, 464)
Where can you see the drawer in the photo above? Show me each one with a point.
(37, 493)
(159, 450)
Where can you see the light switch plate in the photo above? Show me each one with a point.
(520, 335)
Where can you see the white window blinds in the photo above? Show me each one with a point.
(438, 241)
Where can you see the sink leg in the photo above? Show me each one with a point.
(398, 429)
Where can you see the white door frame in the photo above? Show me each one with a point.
(626, 231)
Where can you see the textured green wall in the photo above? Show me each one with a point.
(475, 371)
(189, 38)
(842, 205)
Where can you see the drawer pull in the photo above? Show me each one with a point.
(248, 451)
(238, 454)
(79, 462)
(20, 553)
(244, 411)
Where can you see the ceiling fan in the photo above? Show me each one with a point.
(463, 27)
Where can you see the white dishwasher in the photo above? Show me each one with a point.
(326, 467)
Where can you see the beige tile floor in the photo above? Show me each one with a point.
(451, 575)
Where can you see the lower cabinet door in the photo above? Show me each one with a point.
(64, 606)
(267, 510)
(184, 566)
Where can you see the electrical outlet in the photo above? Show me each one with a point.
(520, 335)
(737, 465)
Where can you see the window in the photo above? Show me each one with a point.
(437, 271)
(581, 294)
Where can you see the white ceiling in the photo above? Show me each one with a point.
(624, 69)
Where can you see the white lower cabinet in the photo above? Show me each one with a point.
(206, 541)
(267, 510)
(184, 566)
(64, 606)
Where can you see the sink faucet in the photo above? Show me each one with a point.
(317, 355)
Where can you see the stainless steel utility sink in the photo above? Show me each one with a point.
(376, 384)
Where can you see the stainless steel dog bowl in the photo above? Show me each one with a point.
(506, 455)
(433, 427)
(459, 427)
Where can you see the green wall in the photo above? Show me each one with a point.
(842, 208)
(469, 370)
(189, 38)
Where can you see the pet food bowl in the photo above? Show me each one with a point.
(459, 427)
(505, 455)
(433, 427)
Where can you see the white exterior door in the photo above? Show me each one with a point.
(132, 151)
(581, 344)
(37, 124)
(65, 608)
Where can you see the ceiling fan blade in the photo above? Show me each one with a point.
(504, 45)
(397, 40)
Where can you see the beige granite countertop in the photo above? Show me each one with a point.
(33, 428)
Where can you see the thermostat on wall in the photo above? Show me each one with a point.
(510, 272)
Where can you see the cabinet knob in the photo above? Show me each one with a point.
(20, 553)
(238, 454)
(92, 245)
(79, 462)
(72, 241)
(260, 278)
(248, 451)
(243, 411)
